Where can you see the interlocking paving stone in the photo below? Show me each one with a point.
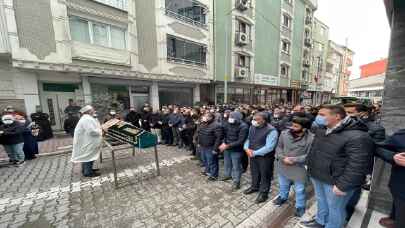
(51, 192)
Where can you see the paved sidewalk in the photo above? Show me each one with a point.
(48, 146)
(49, 192)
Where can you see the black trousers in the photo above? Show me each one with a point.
(261, 168)
(167, 135)
(245, 162)
(399, 212)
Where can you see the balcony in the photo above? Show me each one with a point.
(308, 42)
(308, 20)
(185, 19)
(306, 63)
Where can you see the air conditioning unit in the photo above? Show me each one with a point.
(242, 38)
(307, 63)
(308, 42)
(242, 4)
(241, 72)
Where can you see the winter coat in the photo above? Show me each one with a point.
(133, 118)
(210, 134)
(12, 133)
(235, 134)
(297, 149)
(343, 156)
(386, 151)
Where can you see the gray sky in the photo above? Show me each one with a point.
(363, 22)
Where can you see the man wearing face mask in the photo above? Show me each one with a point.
(259, 146)
(133, 117)
(12, 139)
(210, 136)
(292, 149)
(338, 162)
(279, 120)
(235, 134)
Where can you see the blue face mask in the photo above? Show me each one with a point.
(321, 121)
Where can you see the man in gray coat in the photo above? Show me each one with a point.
(292, 149)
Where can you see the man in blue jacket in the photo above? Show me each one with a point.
(259, 146)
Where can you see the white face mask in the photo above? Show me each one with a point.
(255, 123)
(231, 120)
(8, 122)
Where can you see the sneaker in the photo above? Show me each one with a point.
(279, 201)
(311, 224)
(235, 187)
(212, 178)
(203, 173)
(92, 175)
(19, 163)
(226, 178)
(299, 212)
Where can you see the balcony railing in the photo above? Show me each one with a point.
(185, 19)
(186, 61)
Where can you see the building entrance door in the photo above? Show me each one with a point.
(139, 100)
(54, 104)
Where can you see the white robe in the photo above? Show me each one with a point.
(87, 140)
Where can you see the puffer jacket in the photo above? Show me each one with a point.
(12, 133)
(210, 134)
(342, 157)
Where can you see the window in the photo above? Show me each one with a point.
(184, 51)
(120, 4)
(242, 27)
(286, 21)
(243, 61)
(285, 46)
(86, 31)
(79, 29)
(100, 36)
(285, 70)
(189, 11)
(289, 1)
(118, 38)
(320, 47)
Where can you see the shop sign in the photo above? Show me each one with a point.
(263, 79)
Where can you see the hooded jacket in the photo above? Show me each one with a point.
(236, 133)
(210, 134)
(12, 133)
(343, 156)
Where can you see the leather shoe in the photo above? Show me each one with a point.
(93, 175)
(250, 191)
(262, 197)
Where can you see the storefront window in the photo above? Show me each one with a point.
(110, 97)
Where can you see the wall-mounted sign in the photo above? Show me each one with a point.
(263, 79)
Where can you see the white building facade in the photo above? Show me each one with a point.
(113, 54)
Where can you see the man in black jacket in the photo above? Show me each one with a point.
(392, 150)
(133, 117)
(338, 162)
(236, 132)
(11, 137)
(209, 139)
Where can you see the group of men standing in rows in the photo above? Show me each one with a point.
(333, 146)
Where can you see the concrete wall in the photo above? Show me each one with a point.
(268, 15)
(222, 24)
(297, 41)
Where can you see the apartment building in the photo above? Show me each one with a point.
(268, 66)
(111, 53)
(319, 82)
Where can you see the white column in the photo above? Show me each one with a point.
(86, 90)
(154, 95)
(196, 94)
(26, 87)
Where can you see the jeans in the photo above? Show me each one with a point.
(87, 168)
(15, 152)
(233, 165)
(351, 205)
(299, 186)
(331, 208)
(210, 161)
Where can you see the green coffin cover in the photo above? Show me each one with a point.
(146, 140)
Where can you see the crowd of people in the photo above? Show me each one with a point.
(331, 147)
